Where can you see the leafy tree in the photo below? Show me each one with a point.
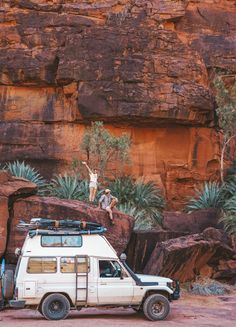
(102, 148)
(226, 112)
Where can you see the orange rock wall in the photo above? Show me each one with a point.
(144, 67)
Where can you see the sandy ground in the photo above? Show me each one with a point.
(189, 311)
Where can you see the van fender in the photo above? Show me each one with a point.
(39, 308)
(165, 291)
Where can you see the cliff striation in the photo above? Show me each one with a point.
(144, 67)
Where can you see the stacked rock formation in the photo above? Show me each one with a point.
(185, 251)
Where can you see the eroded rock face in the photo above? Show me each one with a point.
(10, 189)
(142, 244)
(209, 28)
(183, 258)
(124, 67)
(128, 62)
(176, 158)
(192, 223)
(55, 208)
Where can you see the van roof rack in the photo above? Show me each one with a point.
(43, 226)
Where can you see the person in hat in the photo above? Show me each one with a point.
(107, 202)
(93, 183)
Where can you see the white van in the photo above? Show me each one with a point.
(59, 270)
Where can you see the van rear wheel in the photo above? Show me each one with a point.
(156, 307)
(55, 307)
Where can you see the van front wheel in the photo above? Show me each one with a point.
(156, 307)
(55, 307)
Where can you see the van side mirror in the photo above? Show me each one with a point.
(123, 257)
(17, 252)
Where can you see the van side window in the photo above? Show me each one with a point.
(109, 268)
(67, 265)
(41, 265)
(61, 240)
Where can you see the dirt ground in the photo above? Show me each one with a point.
(189, 311)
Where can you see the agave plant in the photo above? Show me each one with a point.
(141, 200)
(21, 169)
(210, 196)
(230, 188)
(142, 220)
(123, 188)
(229, 216)
(130, 210)
(69, 187)
(147, 197)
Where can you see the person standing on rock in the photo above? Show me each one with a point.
(107, 202)
(93, 183)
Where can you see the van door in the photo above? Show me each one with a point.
(115, 286)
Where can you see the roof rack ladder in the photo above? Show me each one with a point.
(81, 280)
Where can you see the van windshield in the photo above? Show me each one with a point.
(61, 240)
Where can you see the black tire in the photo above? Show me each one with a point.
(40, 309)
(55, 307)
(156, 307)
(8, 284)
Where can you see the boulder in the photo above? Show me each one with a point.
(10, 189)
(192, 223)
(226, 270)
(15, 186)
(183, 258)
(142, 244)
(49, 207)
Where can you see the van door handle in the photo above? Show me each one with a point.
(103, 283)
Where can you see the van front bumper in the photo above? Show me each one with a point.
(17, 304)
(176, 294)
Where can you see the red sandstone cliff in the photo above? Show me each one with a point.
(141, 66)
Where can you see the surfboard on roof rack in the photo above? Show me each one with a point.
(65, 226)
(34, 232)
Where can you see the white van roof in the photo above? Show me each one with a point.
(92, 245)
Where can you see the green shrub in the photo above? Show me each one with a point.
(69, 187)
(229, 215)
(140, 200)
(147, 198)
(123, 189)
(210, 196)
(207, 287)
(229, 188)
(23, 170)
(231, 171)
